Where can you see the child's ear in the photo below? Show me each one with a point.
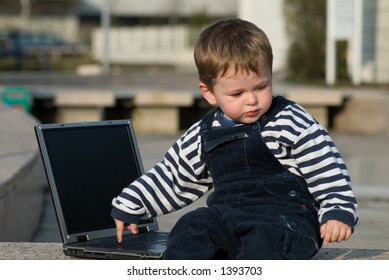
(207, 94)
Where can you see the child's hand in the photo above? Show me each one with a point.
(335, 231)
(121, 226)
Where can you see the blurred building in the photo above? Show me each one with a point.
(364, 26)
(60, 18)
(146, 11)
(164, 31)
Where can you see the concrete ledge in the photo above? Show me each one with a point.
(164, 98)
(351, 254)
(31, 251)
(21, 177)
(53, 251)
(344, 109)
(366, 112)
(82, 105)
(317, 102)
(159, 112)
(315, 97)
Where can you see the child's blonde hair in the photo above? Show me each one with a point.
(232, 44)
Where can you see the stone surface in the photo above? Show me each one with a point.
(21, 176)
(53, 251)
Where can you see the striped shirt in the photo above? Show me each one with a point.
(294, 137)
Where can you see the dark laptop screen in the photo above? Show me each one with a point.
(91, 165)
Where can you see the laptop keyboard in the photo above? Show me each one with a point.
(145, 238)
(136, 241)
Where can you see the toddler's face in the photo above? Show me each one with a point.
(243, 97)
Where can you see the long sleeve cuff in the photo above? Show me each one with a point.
(342, 216)
(125, 217)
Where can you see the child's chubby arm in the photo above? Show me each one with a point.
(121, 227)
(335, 231)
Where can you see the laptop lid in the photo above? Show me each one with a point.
(87, 164)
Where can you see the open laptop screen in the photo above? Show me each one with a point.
(91, 164)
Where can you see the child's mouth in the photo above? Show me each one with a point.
(251, 113)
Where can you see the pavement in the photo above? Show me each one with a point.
(365, 156)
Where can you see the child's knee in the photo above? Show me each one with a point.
(201, 217)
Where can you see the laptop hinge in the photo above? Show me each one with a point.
(144, 230)
(82, 238)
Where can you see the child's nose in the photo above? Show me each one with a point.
(251, 98)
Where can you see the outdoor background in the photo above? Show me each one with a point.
(72, 60)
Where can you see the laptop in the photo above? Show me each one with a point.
(87, 164)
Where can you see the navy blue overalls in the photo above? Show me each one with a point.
(258, 209)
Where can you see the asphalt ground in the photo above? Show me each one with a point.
(365, 156)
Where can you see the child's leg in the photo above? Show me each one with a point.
(290, 240)
(199, 234)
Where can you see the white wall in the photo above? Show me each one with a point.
(264, 13)
(168, 7)
(66, 27)
(146, 45)
(382, 47)
(375, 41)
(267, 15)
